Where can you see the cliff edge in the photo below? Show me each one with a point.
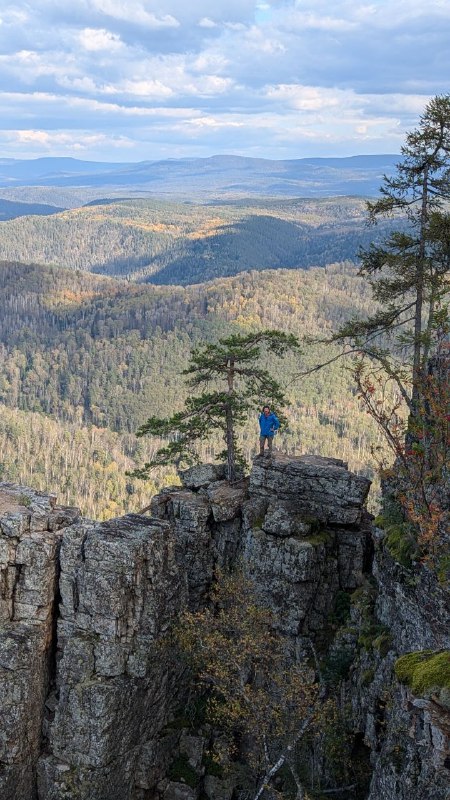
(89, 692)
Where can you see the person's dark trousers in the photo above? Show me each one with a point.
(262, 441)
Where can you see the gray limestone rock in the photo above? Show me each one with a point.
(29, 546)
(412, 602)
(282, 520)
(120, 588)
(294, 576)
(180, 791)
(190, 515)
(412, 761)
(226, 501)
(218, 788)
(193, 747)
(324, 489)
(88, 711)
(202, 475)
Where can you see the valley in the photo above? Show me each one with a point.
(87, 358)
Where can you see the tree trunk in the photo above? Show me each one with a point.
(229, 436)
(417, 363)
(231, 458)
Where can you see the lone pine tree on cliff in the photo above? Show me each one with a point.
(235, 363)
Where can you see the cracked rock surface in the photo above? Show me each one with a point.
(89, 689)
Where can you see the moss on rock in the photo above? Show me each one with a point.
(426, 672)
(401, 544)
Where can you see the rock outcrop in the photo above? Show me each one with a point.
(31, 527)
(408, 733)
(120, 588)
(89, 688)
(306, 536)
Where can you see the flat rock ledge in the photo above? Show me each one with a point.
(323, 488)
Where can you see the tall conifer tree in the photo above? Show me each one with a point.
(235, 363)
(409, 271)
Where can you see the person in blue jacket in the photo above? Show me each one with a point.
(268, 425)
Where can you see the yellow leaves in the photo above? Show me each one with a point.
(242, 661)
(68, 297)
(209, 228)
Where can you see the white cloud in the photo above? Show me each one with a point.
(259, 77)
(95, 39)
(307, 98)
(144, 88)
(78, 141)
(311, 21)
(135, 13)
(215, 123)
(206, 22)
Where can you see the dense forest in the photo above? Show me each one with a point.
(183, 243)
(89, 358)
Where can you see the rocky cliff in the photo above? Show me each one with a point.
(89, 689)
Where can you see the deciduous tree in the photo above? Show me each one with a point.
(257, 693)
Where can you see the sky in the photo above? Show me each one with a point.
(131, 80)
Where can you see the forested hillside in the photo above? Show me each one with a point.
(10, 209)
(182, 243)
(90, 356)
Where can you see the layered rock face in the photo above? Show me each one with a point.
(31, 527)
(409, 734)
(120, 587)
(89, 688)
(306, 536)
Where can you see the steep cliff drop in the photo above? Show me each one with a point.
(88, 693)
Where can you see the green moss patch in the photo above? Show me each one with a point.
(323, 537)
(426, 672)
(401, 544)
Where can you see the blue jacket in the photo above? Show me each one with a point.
(268, 425)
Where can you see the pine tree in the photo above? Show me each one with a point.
(409, 271)
(233, 362)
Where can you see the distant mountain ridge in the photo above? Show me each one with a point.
(225, 175)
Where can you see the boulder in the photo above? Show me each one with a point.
(202, 475)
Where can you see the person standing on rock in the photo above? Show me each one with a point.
(268, 425)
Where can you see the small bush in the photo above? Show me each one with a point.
(375, 635)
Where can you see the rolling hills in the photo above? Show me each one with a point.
(89, 358)
(184, 243)
(220, 175)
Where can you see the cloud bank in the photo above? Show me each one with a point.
(150, 79)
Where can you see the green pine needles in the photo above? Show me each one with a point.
(233, 365)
